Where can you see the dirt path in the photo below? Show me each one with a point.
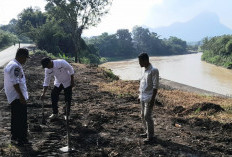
(107, 124)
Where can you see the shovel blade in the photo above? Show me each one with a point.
(66, 149)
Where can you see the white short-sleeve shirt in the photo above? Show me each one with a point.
(62, 72)
(14, 74)
(149, 81)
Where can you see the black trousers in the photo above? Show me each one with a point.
(55, 97)
(18, 120)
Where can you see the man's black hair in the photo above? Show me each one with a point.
(45, 61)
(22, 52)
(143, 56)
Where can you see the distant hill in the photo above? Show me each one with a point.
(203, 25)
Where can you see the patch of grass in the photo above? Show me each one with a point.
(173, 98)
(52, 56)
(121, 88)
(113, 59)
(109, 74)
(198, 110)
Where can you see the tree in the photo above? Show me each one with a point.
(176, 45)
(125, 43)
(229, 47)
(78, 15)
(6, 38)
(52, 38)
(141, 37)
(11, 27)
(28, 22)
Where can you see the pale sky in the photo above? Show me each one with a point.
(128, 13)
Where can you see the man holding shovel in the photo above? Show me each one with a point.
(64, 80)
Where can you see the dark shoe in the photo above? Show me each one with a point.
(25, 142)
(14, 141)
(17, 143)
(13, 138)
(143, 135)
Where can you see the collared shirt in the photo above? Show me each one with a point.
(62, 72)
(148, 82)
(13, 74)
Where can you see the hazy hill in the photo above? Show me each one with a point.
(203, 25)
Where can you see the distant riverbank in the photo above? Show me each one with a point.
(114, 59)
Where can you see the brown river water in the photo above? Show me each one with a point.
(185, 69)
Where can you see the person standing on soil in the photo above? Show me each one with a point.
(64, 80)
(148, 90)
(16, 92)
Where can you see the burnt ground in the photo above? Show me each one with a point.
(106, 123)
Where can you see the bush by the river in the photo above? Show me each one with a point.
(218, 50)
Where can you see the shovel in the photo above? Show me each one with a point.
(67, 148)
(43, 119)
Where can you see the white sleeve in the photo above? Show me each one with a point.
(68, 67)
(48, 75)
(15, 72)
(155, 78)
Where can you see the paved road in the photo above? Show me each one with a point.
(9, 53)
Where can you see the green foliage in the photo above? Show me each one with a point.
(176, 45)
(122, 45)
(58, 56)
(29, 20)
(44, 52)
(11, 27)
(84, 60)
(218, 50)
(110, 75)
(229, 46)
(198, 110)
(53, 38)
(7, 38)
(89, 56)
(77, 16)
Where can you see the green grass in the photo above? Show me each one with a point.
(110, 75)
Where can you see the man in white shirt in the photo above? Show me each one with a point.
(64, 80)
(148, 90)
(16, 92)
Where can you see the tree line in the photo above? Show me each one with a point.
(127, 44)
(218, 50)
(58, 30)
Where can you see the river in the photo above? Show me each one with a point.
(185, 69)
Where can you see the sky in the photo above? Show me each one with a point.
(125, 14)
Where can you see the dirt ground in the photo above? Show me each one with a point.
(105, 120)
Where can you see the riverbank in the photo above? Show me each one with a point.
(105, 119)
(179, 86)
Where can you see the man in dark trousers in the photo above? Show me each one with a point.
(148, 90)
(64, 80)
(16, 92)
